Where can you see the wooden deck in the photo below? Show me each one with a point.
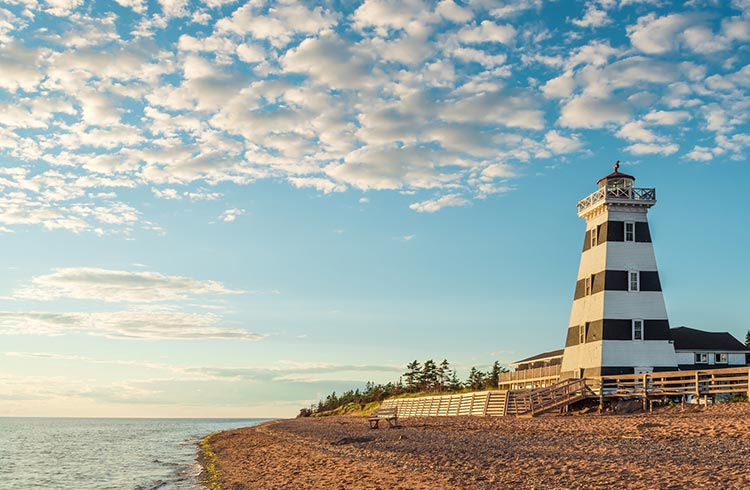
(529, 378)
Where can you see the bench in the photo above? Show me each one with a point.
(390, 415)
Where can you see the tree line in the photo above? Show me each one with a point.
(425, 377)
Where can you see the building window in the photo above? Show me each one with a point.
(721, 358)
(634, 281)
(637, 329)
(701, 358)
(582, 330)
(629, 231)
(594, 236)
(587, 285)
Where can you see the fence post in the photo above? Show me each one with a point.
(697, 386)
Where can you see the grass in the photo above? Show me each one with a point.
(209, 459)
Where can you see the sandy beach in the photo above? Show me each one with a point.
(669, 448)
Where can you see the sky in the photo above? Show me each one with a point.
(225, 209)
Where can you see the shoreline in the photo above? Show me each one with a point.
(699, 447)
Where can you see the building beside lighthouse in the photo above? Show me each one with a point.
(618, 320)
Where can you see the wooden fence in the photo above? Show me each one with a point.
(480, 403)
(674, 383)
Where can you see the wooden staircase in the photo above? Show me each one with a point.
(535, 402)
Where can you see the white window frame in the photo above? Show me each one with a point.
(632, 232)
(594, 237)
(701, 358)
(639, 322)
(588, 285)
(582, 331)
(637, 281)
(721, 358)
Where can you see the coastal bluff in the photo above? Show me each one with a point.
(673, 447)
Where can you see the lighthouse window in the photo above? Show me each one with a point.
(721, 358)
(594, 237)
(637, 329)
(582, 333)
(629, 231)
(701, 358)
(635, 281)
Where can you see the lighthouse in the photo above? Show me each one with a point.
(618, 321)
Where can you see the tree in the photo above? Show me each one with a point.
(494, 375)
(429, 378)
(747, 339)
(444, 373)
(413, 375)
(476, 379)
(455, 384)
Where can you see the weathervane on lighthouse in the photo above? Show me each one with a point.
(618, 320)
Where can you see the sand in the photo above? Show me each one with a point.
(669, 448)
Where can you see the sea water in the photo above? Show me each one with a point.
(100, 453)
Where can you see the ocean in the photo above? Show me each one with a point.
(101, 453)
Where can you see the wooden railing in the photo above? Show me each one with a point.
(529, 378)
(558, 395)
(674, 383)
(617, 192)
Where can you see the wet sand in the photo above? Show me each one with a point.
(667, 449)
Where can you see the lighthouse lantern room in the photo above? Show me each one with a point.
(618, 321)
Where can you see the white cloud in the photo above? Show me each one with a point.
(166, 193)
(512, 110)
(174, 8)
(499, 170)
(230, 215)
(434, 205)
(19, 68)
(587, 112)
(487, 31)
(667, 118)
(452, 11)
(701, 154)
(251, 53)
(279, 25)
(137, 5)
(331, 61)
(561, 86)
(324, 185)
(659, 35)
(652, 149)
(634, 131)
(62, 8)
(116, 286)
(593, 17)
(389, 14)
(560, 144)
(122, 325)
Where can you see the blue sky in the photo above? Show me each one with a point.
(231, 209)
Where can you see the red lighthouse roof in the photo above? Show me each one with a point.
(615, 175)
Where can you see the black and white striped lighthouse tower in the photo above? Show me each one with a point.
(618, 322)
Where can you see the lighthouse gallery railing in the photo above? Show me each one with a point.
(618, 192)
